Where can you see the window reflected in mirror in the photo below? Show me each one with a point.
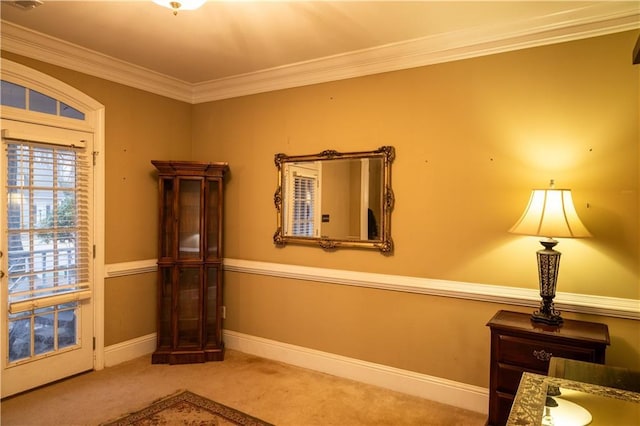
(335, 199)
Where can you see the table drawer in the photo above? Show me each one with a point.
(535, 354)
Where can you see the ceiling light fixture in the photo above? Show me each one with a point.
(180, 5)
(26, 4)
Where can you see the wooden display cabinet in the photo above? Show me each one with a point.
(190, 262)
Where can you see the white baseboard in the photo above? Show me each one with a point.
(445, 391)
(131, 349)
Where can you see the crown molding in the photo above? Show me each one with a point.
(582, 22)
(32, 44)
(576, 24)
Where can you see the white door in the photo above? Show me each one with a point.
(46, 246)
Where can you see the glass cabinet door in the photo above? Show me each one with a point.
(213, 280)
(189, 206)
(213, 218)
(189, 307)
(166, 218)
(164, 316)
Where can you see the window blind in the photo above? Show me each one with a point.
(49, 246)
(304, 194)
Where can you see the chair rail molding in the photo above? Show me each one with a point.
(113, 270)
(569, 302)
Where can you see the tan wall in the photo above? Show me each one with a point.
(354, 200)
(139, 127)
(335, 199)
(472, 138)
(130, 309)
(375, 192)
(432, 335)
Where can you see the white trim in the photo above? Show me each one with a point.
(99, 211)
(130, 268)
(582, 303)
(574, 25)
(409, 382)
(95, 123)
(364, 198)
(582, 22)
(437, 389)
(26, 42)
(34, 79)
(569, 302)
(131, 349)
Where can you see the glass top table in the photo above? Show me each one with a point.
(577, 403)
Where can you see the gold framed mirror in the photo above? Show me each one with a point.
(335, 199)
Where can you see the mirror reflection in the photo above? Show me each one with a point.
(335, 199)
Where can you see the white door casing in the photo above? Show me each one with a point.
(23, 124)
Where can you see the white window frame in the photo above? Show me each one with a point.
(313, 171)
(94, 122)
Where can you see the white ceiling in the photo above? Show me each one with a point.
(229, 48)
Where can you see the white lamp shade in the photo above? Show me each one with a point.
(551, 213)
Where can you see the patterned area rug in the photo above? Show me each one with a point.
(186, 408)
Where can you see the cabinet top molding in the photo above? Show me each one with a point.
(518, 322)
(195, 168)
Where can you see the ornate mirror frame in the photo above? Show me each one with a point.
(382, 241)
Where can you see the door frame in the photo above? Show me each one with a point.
(95, 123)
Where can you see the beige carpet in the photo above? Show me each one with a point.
(274, 392)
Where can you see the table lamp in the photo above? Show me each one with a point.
(550, 213)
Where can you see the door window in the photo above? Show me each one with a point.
(48, 246)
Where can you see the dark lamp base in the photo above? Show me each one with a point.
(548, 319)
